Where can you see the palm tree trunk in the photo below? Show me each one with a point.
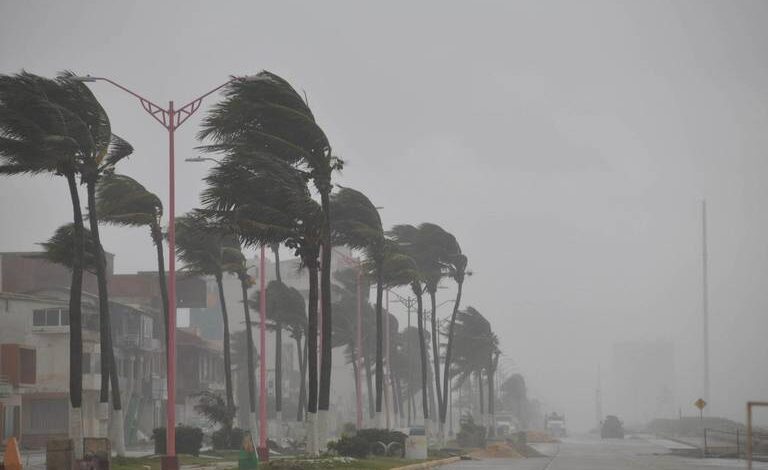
(249, 350)
(227, 346)
(491, 371)
(105, 325)
(157, 239)
(436, 350)
(369, 383)
(423, 350)
(482, 395)
(278, 345)
(449, 350)
(379, 342)
(76, 316)
(324, 395)
(302, 353)
(312, 357)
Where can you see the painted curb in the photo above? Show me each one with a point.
(429, 464)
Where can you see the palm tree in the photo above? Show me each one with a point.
(121, 200)
(429, 246)
(262, 201)
(356, 223)
(206, 252)
(265, 114)
(285, 309)
(457, 270)
(476, 351)
(35, 139)
(52, 126)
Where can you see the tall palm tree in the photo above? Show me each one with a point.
(35, 139)
(355, 222)
(457, 270)
(123, 201)
(266, 114)
(263, 200)
(285, 309)
(56, 126)
(428, 246)
(205, 251)
(476, 352)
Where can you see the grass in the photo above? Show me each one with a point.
(289, 463)
(153, 462)
(373, 463)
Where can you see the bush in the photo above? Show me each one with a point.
(189, 440)
(366, 442)
(227, 439)
(470, 434)
(385, 436)
(354, 446)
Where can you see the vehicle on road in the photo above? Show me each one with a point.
(555, 425)
(612, 428)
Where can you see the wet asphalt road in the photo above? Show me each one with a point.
(596, 454)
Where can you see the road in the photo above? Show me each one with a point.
(595, 454)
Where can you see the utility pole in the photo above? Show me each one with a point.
(705, 296)
(599, 399)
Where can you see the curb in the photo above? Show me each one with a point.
(428, 464)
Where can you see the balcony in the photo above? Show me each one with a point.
(134, 341)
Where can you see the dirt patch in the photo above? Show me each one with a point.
(537, 437)
(496, 451)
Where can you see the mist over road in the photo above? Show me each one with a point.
(589, 453)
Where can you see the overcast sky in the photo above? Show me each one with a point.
(567, 145)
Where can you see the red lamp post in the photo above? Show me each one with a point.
(170, 118)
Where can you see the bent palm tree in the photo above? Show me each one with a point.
(355, 222)
(204, 251)
(262, 201)
(121, 200)
(285, 306)
(265, 114)
(55, 126)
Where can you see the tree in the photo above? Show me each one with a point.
(58, 127)
(123, 201)
(285, 310)
(429, 246)
(265, 114)
(262, 201)
(355, 222)
(206, 252)
(476, 351)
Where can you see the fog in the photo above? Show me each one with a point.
(567, 146)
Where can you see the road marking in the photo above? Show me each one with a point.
(554, 456)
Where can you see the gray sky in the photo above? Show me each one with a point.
(566, 144)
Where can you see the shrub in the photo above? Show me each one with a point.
(470, 434)
(189, 440)
(354, 446)
(384, 436)
(227, 439)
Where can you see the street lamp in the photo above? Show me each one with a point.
(170, 118)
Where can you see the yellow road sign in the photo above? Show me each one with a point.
(700, 403)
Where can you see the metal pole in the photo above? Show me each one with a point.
(705, 296)
(749, 436)
(170, 428)
(262, 352)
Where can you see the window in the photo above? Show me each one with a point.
(28, 359)
(49, 415)
(50, 317)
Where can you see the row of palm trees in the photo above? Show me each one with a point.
(275, 161)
